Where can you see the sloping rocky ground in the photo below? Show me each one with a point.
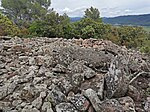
(60, 75)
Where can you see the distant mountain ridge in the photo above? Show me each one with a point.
(140, 20)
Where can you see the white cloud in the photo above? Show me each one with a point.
(73, 12)
(107, 7)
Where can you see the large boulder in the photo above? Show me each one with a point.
(116, 79)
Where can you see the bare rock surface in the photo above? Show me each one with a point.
(72, 75)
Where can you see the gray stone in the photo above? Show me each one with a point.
(124, 104)
(14, 111)
(3, 71)
(65, 107)
(2, 66)
(30, 75)
(40, 60)
(49, 74)
(29, 109)
(49, 110)
(59, 69)
(79, 101)
(29, 92)
(112, 105)
(96, 83)
(55, 96)
(42, 70)
(7, 89)
(21, 80)
(77, 66)
(41, 87)
(16, 102)
(23, 58)
(89, 73)
(43, 94)
(91, 109)
(134, 93)
(37, 102)
(65, 85)
(127, 103)
(23, 104)
(31, 61)
(5, 106)
(47, 107)
(93, 98)
(37, 80)
(116, 80)
(147, 105)
(77, 79)
(33, 68)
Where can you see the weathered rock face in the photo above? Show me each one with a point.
(74, 75)
(116, 79)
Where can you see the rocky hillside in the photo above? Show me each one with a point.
(60, 75)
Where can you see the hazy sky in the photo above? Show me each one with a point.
(107, 8)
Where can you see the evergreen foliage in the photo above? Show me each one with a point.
(22, 11)
(7, 27)
(93, 13)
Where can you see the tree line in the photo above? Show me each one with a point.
(31, 18)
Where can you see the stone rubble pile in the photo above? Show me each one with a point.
(75, 75)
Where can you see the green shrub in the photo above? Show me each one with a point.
(131, 36)
(146, 47)
(86, 28)
(7, 27)
(40, 28)
(88, 32)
